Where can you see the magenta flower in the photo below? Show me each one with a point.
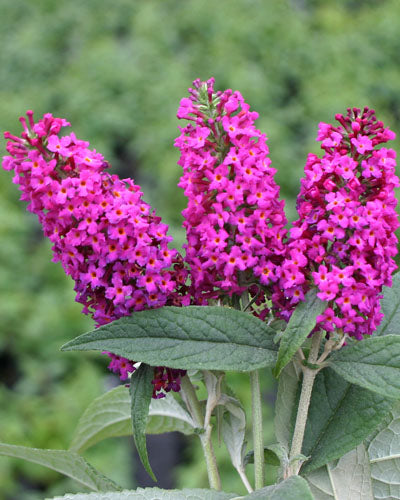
(234, 219)
(346, 225)
(106, 237)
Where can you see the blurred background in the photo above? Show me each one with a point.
(117, 71)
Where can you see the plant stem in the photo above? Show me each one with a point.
(256, 406)
(309, 375)
(194, 407)
(192, 402)
(258, 442)
(211, 462)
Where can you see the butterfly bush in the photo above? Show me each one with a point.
(234, 220)
(343, 242)
(106, 237)
(117, 251)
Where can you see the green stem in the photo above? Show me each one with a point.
(258, 438)
(196, 412)
(256, 406)
(192, 402)
(211, 462)
(309, 375)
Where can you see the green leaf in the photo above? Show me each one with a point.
(384, 453)
(299, 327)
(153, 494)
(285, 406)
(233, 430)
(273, 455)
(109, 416)
(66, 462)
(167, 415)
(293, 488)
(141, 390)
(373, 363)
(340, 417)
(390, 305)
(348, 478)
(195, 337)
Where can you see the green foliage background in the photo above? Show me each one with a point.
(116, 71)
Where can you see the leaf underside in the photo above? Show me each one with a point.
(348, 478)
(153, 494)
(384, 453)
(293, 488)
(66, 462)
(109, 415)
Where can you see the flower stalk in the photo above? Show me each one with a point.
(256, 408)
(259, 465)
(195, 410)
(309, 375)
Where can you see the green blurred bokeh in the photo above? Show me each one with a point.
(116, 71)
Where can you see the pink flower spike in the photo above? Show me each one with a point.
(225, 236)
(344, 227)
(106, 237)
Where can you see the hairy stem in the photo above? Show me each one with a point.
(259, 467)
(256, 405)
(309, 375)
(192, 403)
(195, 410)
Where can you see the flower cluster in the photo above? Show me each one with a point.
(117, 250)
(234, 219)
(343, 242)
(105, 236)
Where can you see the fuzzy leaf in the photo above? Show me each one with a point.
(233, 429)
(348, 478)
(66, 462)
(141, 390)
(341, 416)
(153, 494)
(384, 453)
(293, 488)
(373, 363)
(390, 305)
(109, 416)
(299, 327)
(167, 415)
(195, 337)
(273, 455)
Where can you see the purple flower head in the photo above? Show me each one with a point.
(346, 225)
(234, 219)
(106, 237)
